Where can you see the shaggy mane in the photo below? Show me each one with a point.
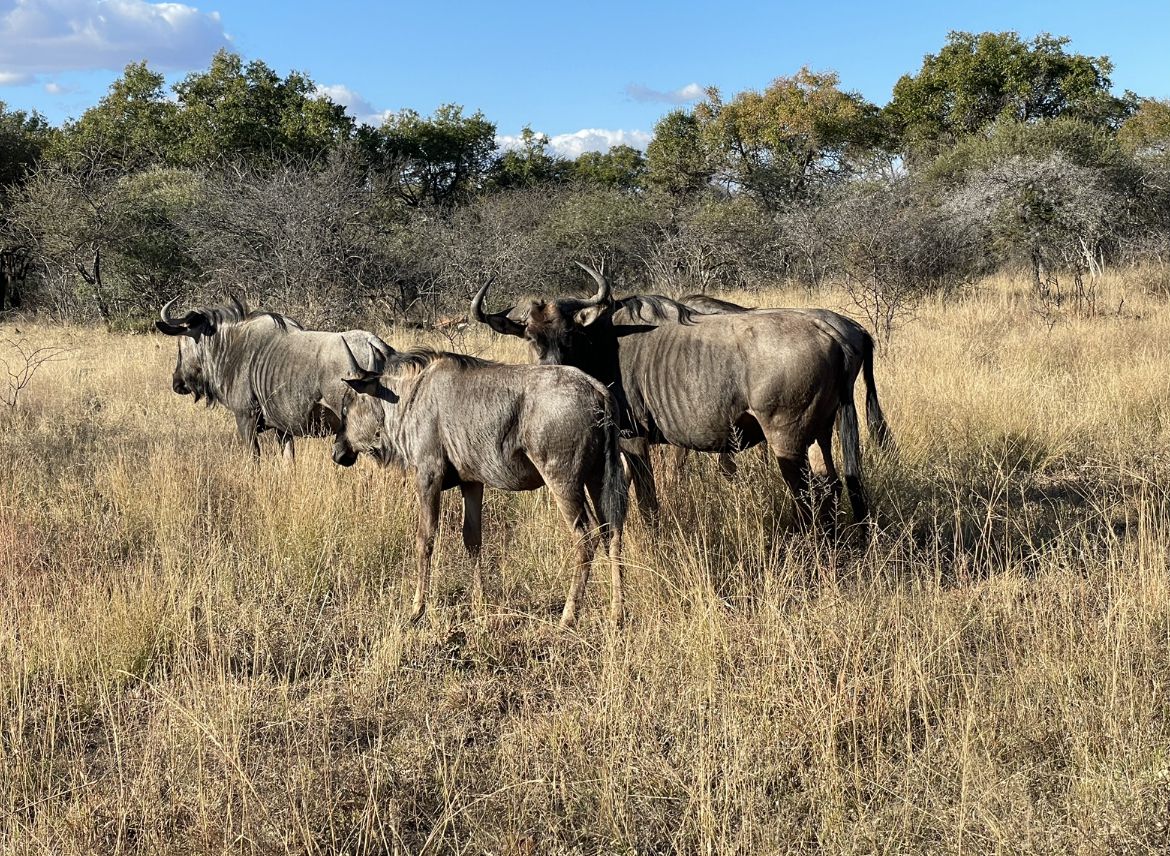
(655, 307)
(413, 362)
(237, 314)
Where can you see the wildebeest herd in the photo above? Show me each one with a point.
(614, 377)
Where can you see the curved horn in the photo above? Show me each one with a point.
(477, 301)
(165, 312)
(603, 287)
(239, 305)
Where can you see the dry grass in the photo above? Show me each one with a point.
(199, 655)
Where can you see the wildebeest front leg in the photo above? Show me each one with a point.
(429, 490)
(473, 536)
(286, 447)
(246, 425)
(727, 465)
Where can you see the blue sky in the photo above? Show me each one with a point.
(586, 74)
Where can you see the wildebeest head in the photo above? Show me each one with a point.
(188, 378)
(561, 331)
(363, 417)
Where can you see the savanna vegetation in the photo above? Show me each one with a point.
(205, 655)
(202, 654)
(998, 152)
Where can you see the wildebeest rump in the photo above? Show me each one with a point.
(857, 341)
(712, 383)
(859, 350)
(458, 421)
(267, 370)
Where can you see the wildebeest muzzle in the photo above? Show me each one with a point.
(343, 455)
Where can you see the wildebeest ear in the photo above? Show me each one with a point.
(589, 314)
(366, 385)
(380, 352)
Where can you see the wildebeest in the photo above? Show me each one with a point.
(264, 368)
(712, 383)
(459, 421)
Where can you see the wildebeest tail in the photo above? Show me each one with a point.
(879, 428)
(614, 499)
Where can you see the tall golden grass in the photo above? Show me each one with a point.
(203, 655)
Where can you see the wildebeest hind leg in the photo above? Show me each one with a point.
(571, 502)
(827, 486)
(795, 469)
(473, 537)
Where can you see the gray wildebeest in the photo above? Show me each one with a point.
(458, 421)
(710, 383)
(267, 370)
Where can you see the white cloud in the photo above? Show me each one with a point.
(15, 78)
(355, 104)
(682, 95)
(54, 88)
(597, 140)
(59, 35)
(586, 140)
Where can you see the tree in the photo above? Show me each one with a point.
(438, 161)
(1008, 178)
(599, 226)
(234, 111)
(799, 133)
(714, 243)
(304, 237)
(104, 243)
(677, 161)
(1147, 131)
(132, 127)
(23, 138)
(892, 247)
(1052, 211)
(529, 165)
(976, 80)
(621, 168)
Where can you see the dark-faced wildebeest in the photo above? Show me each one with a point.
(458, 421)
(267, 370)
(711, 383)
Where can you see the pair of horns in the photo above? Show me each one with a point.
(602, 296)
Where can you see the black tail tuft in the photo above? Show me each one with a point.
(879, 428)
